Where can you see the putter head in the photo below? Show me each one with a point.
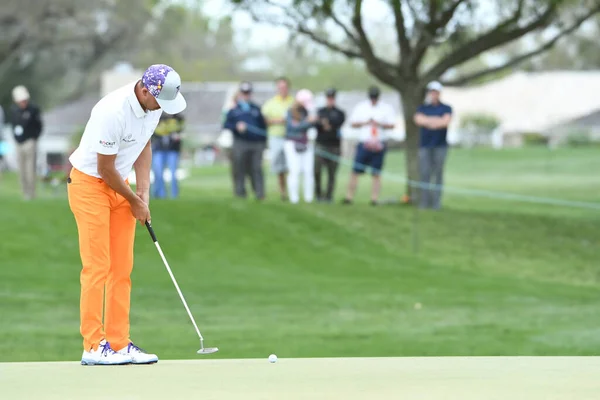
(208, 350)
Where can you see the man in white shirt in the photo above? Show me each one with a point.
(116, 139)
(374, 119)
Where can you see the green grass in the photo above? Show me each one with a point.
(494, 277)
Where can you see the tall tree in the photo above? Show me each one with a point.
(421, 26)
(198, 47)
(52, 46)
(580, 51)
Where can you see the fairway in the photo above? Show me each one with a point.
(450, 378)
(485, 276)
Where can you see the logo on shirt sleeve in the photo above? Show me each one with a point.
(107, 144)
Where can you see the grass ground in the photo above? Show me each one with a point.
(430, 378)
(494, 277)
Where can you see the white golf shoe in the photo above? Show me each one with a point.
(138, 355)
(104, 355)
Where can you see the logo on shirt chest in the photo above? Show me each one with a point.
(129, 139)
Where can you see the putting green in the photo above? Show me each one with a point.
(464, 378)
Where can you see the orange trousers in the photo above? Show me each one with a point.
(106, 235)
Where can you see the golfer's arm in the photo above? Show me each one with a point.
(142, 169)
(110, 175)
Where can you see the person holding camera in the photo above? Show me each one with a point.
(374, 119)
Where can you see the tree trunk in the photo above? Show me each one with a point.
(410, 103)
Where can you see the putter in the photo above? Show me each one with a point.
(203, 350)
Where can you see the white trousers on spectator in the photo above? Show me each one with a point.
(300, 163)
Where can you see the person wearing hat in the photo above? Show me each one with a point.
(374, 119)
(166, 152)
(299, 149)
(245, 120)
(433, 118)
(115, 140)
(26, 121)
(330, 121)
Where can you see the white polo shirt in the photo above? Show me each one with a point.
(117, 125)
(381, 112)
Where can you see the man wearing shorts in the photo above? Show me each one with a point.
(116, 139)
(373, 118)
(275, 112)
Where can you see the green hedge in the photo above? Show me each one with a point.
(535, 139)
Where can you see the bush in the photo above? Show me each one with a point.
(579, 138)
(480, 122)
(535, 139)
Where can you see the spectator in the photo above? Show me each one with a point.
(166, 153)
(374, 119)
(329, 127)
(299, 151)
(275, 111)
(225, 140)
(248, 126)
(433, 118)
(1, 140)
(26, 123)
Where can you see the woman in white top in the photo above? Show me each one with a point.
(299, 149)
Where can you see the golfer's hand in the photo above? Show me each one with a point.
(140, 211)
(144, 195)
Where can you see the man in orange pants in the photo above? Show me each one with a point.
(116, 139)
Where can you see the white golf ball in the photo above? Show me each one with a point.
(272, 358)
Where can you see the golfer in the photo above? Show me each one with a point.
(116, 139)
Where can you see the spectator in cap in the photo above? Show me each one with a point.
(374, 119)
(299, 150)
(166, 153)
(433, 118)
(328, 148)
(275, 112)
(25, 119)
(248, 126)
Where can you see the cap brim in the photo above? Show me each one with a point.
(175, 106)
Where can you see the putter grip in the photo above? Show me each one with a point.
(151, 231)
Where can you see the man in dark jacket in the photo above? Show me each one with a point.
(330, 121)
(248, 126)
(26, 123)
(166, 151)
